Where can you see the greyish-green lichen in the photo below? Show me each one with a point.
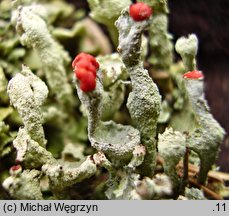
(206, 139)
(157, 188)
(11, 52)
(59, 173)
(123, 139)
(122, 182)
(122, 187)
(160, 40)
(27, 93)
(144, 101)
(160, 43)
(187, 48)
(30, 152)
(34, 33)
(183, 117)
(61, 176)
(92, 102)
(106, 12)
(112, 69)
(24, 185)
(194, 194)
(113, 75)
(172, 146)
(118, 144)
(208, 135)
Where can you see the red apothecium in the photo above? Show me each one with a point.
(87, 57)
(88, 83)
(15, 167)
(140, 11)
(195, 74)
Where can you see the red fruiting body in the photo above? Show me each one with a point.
(15, 168)
(85, 66)
(88, 83)
(78, 57)
(87, 57)
(80, 73)
(88, 77)
(193, 75)
(94, 62)
(140, 11)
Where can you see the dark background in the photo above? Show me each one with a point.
(209, 20)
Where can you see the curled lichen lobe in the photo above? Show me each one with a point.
(140, 11)
(195, 74)
(85, 67)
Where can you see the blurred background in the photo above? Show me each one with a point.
(209, 20)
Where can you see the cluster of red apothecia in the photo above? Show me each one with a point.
(85, 67)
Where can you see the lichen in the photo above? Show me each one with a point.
(24, 185)
(194, 194)
(160, 43)
(34, 33)
(172, 146)
(160, 40)
(206, 139)
(61, 176)
(106, 12)
(118, 149)
(144, 102)
(187, 48)
(208, 134)
(157, 188)
(113, 75)
(27, 93)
